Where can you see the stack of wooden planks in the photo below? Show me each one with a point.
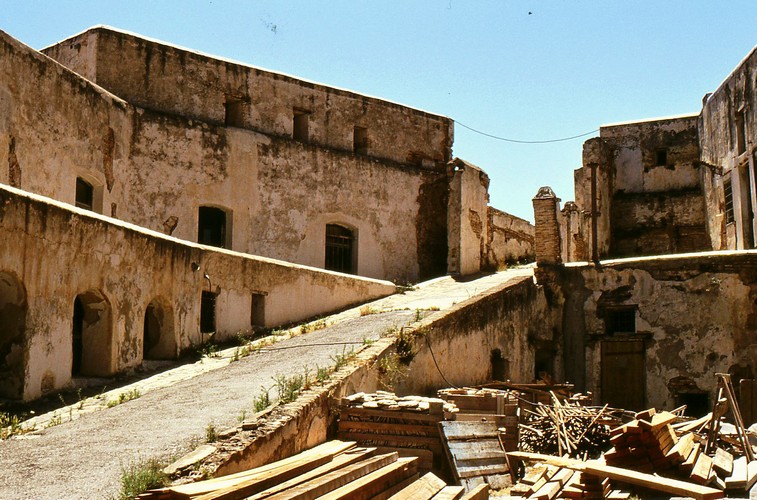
(487, 405)
(476, 455)
(550, 482)
(406, 425)
(333, 470)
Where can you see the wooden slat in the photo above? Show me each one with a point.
(377, 481)
(744, 475)
(480, 492)
(343, 459)
(399, 415)
(472, 450)
(450, 493)
(424, 488)
(454, 430)
(722, 462)
(388, 428)
(702, 469)
(385, 438)
(650, 481)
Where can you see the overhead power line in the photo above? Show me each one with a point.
(525, 142)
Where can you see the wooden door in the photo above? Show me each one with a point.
(623, 374)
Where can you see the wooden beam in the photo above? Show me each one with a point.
(424, 488)
(650, 481)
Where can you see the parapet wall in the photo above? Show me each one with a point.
(55, 255)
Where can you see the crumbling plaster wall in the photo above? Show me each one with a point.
(510, 239)
(460, 343)
(468, 218)
(156, 169)
(697, 315)
(729, 115)
(58, 252)
(158, 76)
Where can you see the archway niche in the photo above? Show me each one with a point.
(92, 336)
(13, 310)
(158, 341)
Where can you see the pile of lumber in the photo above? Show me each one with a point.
(333, 470)
(556, 482)
(651, 444)
(487, 405)
(406, 425)
(570, 429)
(476, 454)
(537, 392)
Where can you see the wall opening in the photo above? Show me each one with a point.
(697, 403)
(620, 320)
(212, 227)
(500, 366)
(747, 203)
(92, 336)
(340, 255)
(740, 133)
(208, 312)
(158, 340)
(661, 157)
(13, 310)
(544, 362)
(85, 194)
(728, 197)
(257, 310)
(360, 140)
(300, 125)
(234, 112)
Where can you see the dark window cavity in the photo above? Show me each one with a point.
(620, 320)
(208, 312)
(234, 116)
(360, 140)
(661, 157)
(85, 194)
(211, 227)
(300, 125)
(339, 249)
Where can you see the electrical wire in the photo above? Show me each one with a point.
(525, 142)
(450, 384)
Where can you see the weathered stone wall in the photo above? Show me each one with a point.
(510, 240)
(467, 218)
(158, 76)
(496, 330)
(696, 317)
(56, 252)
(155, 169)
(728, 138)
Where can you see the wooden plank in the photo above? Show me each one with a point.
(722, 462)
(384, 438)
(453, 430)
(480, 470)
(424, 488)
(398, 414)
(450, 493)
(328, 482)
(658, 420)
(649, 481)
(343, 459)
(691, 460)
(375, 482)
(425, 457)
(744, 475)
(384, 495)
(388, 428)
(682, 448)
(547, 492)
(281, 470)
(480, 492)
(472, 450)
(702, 469)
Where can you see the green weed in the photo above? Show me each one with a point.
(124, 397)
(141, 476)
(262, 401)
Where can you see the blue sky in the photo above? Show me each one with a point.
(524, 70)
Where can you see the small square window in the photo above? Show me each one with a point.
(661, 157)
(620, 320)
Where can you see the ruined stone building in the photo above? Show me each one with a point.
(149, 189)
(653, 328)
(670, 185)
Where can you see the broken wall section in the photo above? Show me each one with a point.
(655, 331)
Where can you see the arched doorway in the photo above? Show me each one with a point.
(92, 336)
(158, 340)
(13, 310)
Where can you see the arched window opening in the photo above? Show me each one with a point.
(91, 336)
(13, 309)
(158, 340)
(85, 194)
(340, 255)
(211, 227)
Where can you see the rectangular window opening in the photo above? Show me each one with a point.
(661, 157)
(85, 194)
(300, 125)
(360, 140)
(212, 227)
(728, 195)
(208, 312)
(740, 133)
(620, 320)
(339, 249)
(257, 310)
(234, 112)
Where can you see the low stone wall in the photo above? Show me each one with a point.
(511, 239)
(459, 341)
(69, 275)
